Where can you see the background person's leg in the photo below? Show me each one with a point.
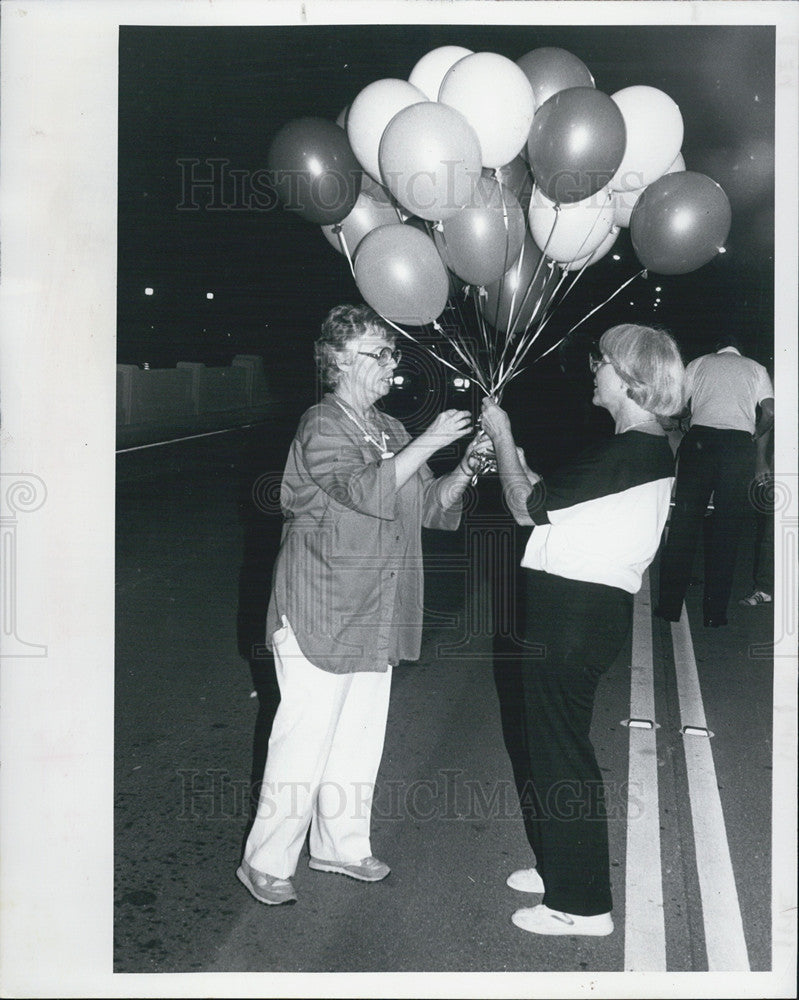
(692, 492)
(731, 519)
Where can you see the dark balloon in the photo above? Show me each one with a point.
(576, 144)
(481, 242)
(516, 295)
(314, 170)
(680, 222)
(516, 177)
(551, 69)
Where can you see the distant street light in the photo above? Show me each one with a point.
(148, 291)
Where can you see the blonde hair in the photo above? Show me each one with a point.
(342, 326)
(649, 361)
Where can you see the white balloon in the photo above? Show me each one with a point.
(654, 136)
(496, 98)
(431, 69)
(625, 201)
(366, 214)
(570, 232)
(370, 112)
(604, 247)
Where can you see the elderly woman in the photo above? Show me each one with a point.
(346, 604)
(596, 527)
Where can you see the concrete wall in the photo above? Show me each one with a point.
(159, 403)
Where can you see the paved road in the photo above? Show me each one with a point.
(193, 558)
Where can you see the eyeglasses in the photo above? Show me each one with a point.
(384, 356)
(595, 362)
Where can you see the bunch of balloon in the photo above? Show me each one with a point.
(444, 147)
(479, 176)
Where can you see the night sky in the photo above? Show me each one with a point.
(221, 93)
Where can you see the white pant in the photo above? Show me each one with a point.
(321, 767)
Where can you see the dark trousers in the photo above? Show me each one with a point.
(721, 463)
(763, 555)
(579, 629)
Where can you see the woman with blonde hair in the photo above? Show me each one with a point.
(596, 526)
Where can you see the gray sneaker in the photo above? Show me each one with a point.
(266, 888)
(366, 870)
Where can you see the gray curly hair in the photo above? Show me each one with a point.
(343, 325)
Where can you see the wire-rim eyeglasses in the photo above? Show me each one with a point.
(384, 356)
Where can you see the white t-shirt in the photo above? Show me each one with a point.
(600, 518)
(725, 388)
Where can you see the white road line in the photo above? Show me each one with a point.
(645, 932)
(189, 437)
(721, 910)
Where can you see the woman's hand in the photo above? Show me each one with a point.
(494, 421)
(447, 427)
(479, 456)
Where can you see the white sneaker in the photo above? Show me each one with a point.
(758, 597)
(526, 880)
(541, 920)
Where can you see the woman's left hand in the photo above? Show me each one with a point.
(479, 456)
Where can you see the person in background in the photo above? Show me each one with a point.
(346, 604)
(731, 403)
(762, 497)
(596, 526)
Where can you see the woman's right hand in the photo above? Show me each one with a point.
(494, 420)
(447, 427)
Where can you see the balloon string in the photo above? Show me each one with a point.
(443, 253)
(476, 375)
(457, 342)
(579, 323)
(533, 279)
(526, 341)
(481, 323)
(462, 348)
(446, 257)
(346, 250)
(511, 311)
(601, 304)
(506, 263)
(502, 372)
(464, 354)
(593, 226)
(576, 278)
(536, 271)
